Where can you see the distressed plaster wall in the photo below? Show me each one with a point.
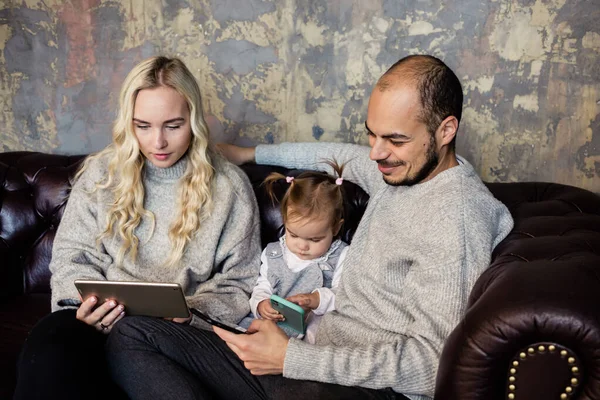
(301, 70)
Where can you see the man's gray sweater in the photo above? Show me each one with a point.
(219, 266)
(412, 263)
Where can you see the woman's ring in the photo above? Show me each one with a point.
(104, 327)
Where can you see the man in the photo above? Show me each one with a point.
(426, 236)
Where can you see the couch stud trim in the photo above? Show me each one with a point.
(542, 350)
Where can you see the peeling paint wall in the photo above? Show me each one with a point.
(292, 70)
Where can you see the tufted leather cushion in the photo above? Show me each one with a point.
(554, 223)
(33, 193)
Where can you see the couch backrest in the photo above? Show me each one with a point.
(34, 189)
(556, 227)
(33, 193)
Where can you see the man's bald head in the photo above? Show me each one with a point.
(439, 89)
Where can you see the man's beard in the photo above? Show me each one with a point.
(431, 162)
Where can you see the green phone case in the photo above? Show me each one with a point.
(293, 313)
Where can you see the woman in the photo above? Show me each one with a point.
(156, 205)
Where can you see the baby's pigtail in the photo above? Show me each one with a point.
(340, 199)
(268, 183)
(338, 170)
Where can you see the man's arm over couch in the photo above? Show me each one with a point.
(358, 168)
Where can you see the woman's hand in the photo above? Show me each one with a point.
(236, 154)
(308, 301)
(104, 317)
(267, 312)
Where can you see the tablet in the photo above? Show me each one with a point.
(293, 313)
(139, 298)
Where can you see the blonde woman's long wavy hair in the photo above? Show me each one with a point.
(126, 163)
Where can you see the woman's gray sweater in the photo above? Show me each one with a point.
(219, 266)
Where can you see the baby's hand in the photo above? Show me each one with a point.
(308, 301)
(267, 312)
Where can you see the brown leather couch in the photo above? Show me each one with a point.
(532, 329)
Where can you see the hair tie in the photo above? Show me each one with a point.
(289, 179)
(339, 181)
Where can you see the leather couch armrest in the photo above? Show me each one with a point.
(524, 309)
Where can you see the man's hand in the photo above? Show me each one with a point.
(308, 301)
(236, 154)
(262, 350)
(266, 311)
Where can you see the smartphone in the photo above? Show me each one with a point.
(293, 313)
(221, 324)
